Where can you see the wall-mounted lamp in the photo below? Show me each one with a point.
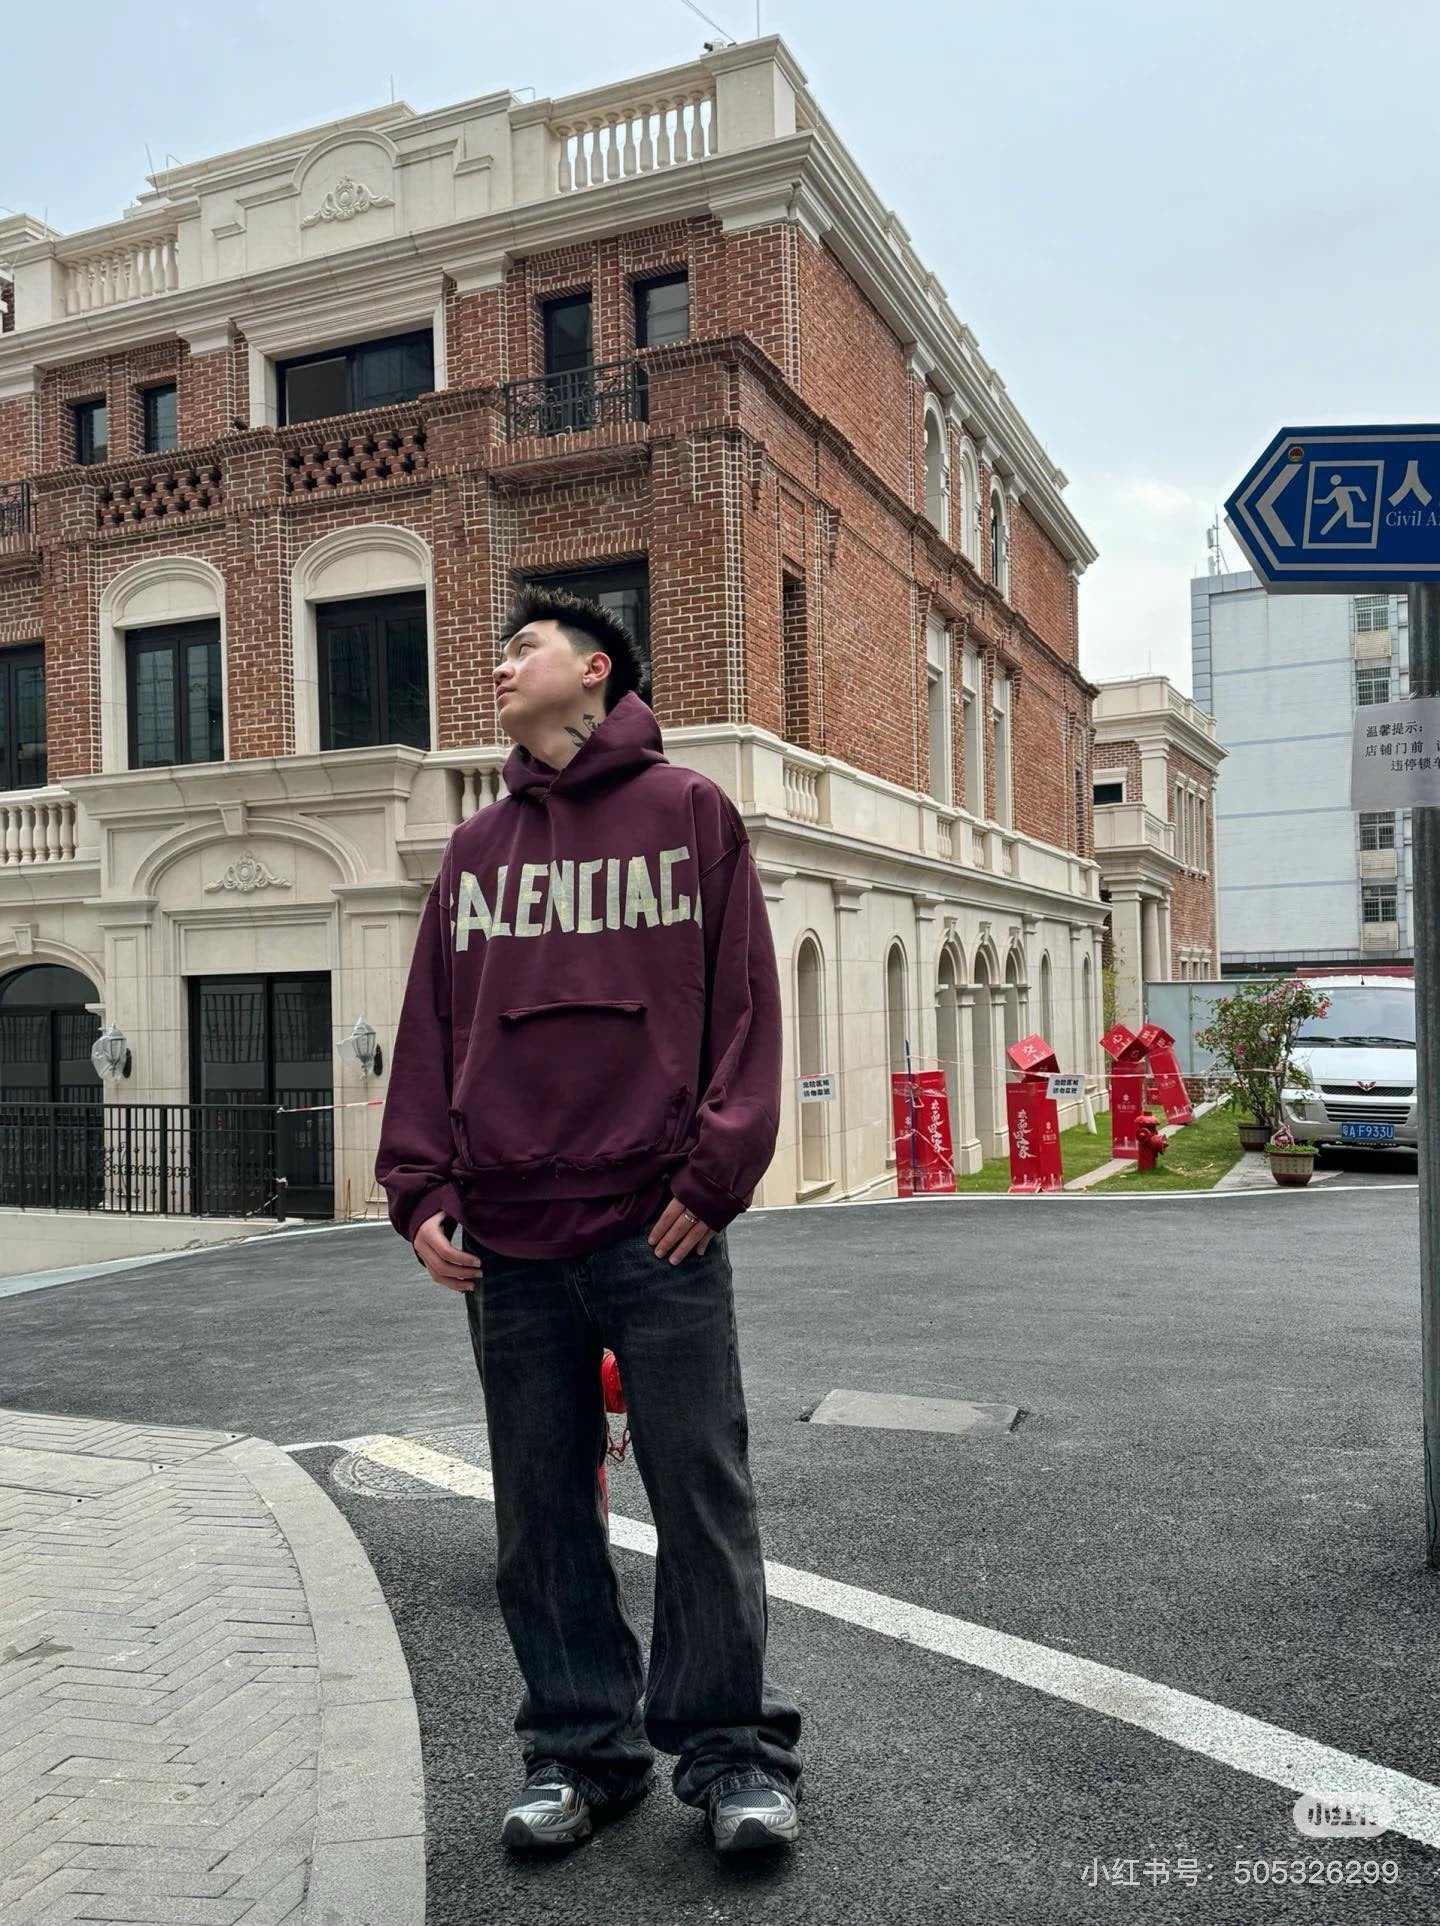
(110, 1053)
(362, 1046)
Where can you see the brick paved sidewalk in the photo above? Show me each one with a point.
(205, 1715)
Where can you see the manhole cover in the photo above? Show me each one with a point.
(893, 1411)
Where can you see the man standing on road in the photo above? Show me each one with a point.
(586, 1080)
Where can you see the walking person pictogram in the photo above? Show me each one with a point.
(1341, 493)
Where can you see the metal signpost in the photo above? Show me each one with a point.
(1346, 511)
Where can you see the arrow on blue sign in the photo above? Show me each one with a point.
(1342, 508)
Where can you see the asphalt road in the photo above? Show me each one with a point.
(1216, 1485)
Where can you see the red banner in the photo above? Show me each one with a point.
(1127, 1090)
(1034, 1121)
(924, 1158)
(1167, 1084)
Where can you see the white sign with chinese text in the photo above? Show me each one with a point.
(1064, 1086)
(818, 1089)
(1395, 756)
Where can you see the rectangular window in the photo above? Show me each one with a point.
(1202, 853)
(662, 311)
(172, 678)
(374, 672)
(569, 365)
(568, 343)
(974, 737)
(937, 685)
(1111, 790)
(796, 675)
(1000, 746)
(342, 381)
(624, 591)
(92, 432)
(1377, 830)
(1371, 612)
(1377, 902)
(1371, 685)
(160, 420)
(22, 718)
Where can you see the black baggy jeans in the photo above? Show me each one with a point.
(538, 1326)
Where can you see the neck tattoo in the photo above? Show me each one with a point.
(583, 736)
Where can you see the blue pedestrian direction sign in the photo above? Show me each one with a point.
(1342, 509)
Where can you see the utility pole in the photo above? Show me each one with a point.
(1424, 600)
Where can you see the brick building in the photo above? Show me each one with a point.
(275, 449)
(1156, 760)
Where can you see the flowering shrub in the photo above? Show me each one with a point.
(1252, 1036)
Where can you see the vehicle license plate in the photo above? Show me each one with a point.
(1367, 1133)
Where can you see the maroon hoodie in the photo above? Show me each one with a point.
(592, 1015)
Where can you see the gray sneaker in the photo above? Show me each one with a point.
(752, 1817)
(548, 1813)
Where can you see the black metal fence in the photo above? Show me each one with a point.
(14, 509)
(181, 1159)
(560, 404)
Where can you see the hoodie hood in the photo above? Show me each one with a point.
(627, 741)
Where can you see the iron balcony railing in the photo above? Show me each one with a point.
(172, 1159)
(567, 404)
(14, 510)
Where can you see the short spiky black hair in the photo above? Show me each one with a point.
(586, 626)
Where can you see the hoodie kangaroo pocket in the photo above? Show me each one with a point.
(578, 1084)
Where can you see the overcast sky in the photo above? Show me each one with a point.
(1174, 228)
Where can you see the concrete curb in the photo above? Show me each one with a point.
(368, 1867)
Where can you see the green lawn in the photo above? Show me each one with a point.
(1079, 1152)
(1195, 1158)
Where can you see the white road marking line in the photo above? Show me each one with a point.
(1197, 1725)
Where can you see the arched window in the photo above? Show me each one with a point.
(1087, 1017)
(162, 630)
(1012, 1000)
(1047, 1002)
(810, 1058)
(896, 1025)
(969, 504)
(937, 470)
(362, 639)
(999, 542)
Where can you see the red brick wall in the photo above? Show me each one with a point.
(738, 480)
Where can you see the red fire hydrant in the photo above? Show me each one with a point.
(1150, 1141)
(613, 1393)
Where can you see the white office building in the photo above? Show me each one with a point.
(1303, 879)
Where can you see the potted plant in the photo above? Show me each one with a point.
(1252, 1037)
(1290, 1163)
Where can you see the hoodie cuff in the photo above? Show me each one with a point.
(443, 1197)
(713, 1206)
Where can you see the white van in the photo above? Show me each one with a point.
(1360, 1058)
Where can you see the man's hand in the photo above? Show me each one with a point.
(457, 1270)
(677, 1232)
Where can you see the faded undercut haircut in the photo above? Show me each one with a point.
(586, 626)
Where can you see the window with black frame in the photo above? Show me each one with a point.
(569, 402)
(374, 672)
(623, 590)
(22, 717)
(662, 316)
(91, 424)
(344, 381)
(174, 702)
(161, 426)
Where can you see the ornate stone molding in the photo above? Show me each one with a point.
(247, 874)
(345, 200)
